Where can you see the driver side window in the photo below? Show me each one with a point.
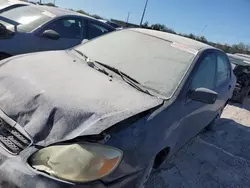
(70, 28)
(205, 74)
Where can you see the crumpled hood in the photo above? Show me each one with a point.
(56, 96)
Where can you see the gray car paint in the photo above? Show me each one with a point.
(32, 97)
(27, 42)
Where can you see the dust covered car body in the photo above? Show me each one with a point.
(241, 69)
(108, 112)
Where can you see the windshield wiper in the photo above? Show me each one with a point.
(82, 54)
(91, 63)
(131, 81)
(117, 71)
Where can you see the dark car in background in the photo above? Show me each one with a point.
(241, 69)
(36, 28)
(113, 24)
(108, 112)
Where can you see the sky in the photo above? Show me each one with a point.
(224, 21)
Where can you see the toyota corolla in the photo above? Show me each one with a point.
(108, 112)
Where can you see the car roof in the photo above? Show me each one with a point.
(9, 3)
(193, 44)
(60, 12)
(17, 2)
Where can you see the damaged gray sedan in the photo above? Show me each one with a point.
(110, 111)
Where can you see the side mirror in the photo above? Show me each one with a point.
(51, 34)
(204, 95)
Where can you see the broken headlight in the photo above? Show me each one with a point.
(77, 162)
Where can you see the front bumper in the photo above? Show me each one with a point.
(16, 173)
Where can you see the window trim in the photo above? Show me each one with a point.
(41, 29)
(199, 61)
(97, 23)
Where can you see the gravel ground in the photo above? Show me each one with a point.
(219, 157)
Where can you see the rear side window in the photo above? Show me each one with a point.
(96, 30)
(223, 70)
(205, 74)
(71, 28)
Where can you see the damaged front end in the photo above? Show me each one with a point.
(50, 117)
(241, 69)
(12, 137)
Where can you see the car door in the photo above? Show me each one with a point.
(70, 29)
(96, 29)
(197, 114)
(223, 80)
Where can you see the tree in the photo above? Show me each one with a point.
(192, 36)
(202, 39)
(50, 4)
(145, 25)
(169, 30)
(159, 27)
(96, 16)
(82, 12)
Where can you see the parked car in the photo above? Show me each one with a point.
(108, 112)
(10, 4)
(241, 68)
(113, 24)
(40, 28)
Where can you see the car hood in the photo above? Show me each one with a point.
(56, 96)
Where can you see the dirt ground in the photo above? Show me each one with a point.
(217, 158)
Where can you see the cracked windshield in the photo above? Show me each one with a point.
(124, 94)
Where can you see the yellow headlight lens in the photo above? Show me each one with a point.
(77, 162)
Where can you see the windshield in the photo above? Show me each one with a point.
(28, 17)
(153, 62)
